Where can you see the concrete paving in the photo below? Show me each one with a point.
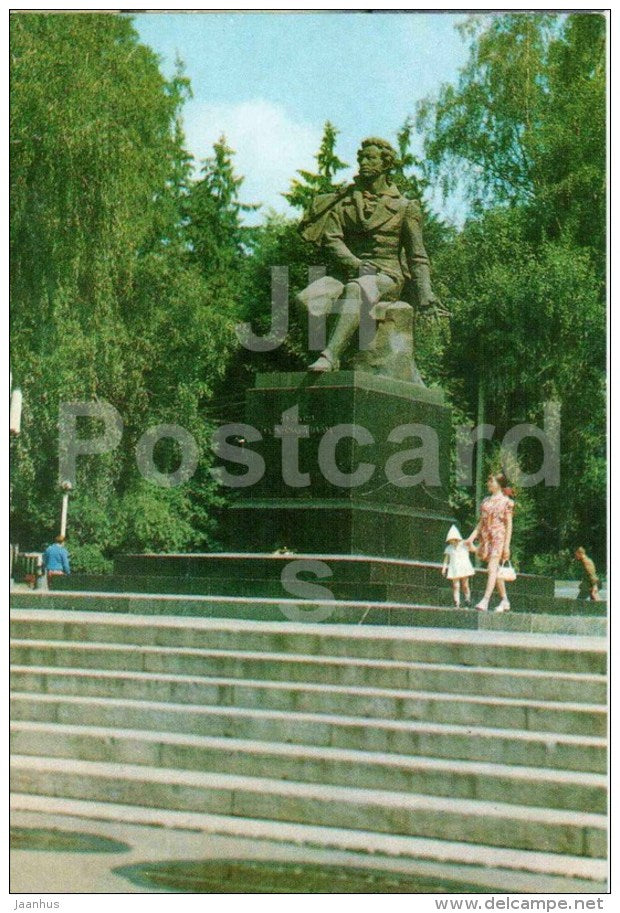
(38, 872)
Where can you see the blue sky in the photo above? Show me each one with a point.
(269, 81)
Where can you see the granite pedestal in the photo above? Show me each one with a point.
(399, 509)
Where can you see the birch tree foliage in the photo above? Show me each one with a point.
(106, 303)
(522, 136)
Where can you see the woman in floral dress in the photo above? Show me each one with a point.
(494, 530)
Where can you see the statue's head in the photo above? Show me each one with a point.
(376, 156)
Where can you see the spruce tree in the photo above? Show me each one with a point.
(303, 191)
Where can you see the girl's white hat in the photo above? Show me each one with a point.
(453, 533)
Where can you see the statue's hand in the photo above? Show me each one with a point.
(426, 298)
(357, 268)
(439, 311)
(429, 305)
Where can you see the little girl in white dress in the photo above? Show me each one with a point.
(457, 566)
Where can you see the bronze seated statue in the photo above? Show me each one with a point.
(374, 237)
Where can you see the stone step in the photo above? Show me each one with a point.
(352, 671)
(436, 594)
(506, 650)
(411, 737)
(310, 764)
(502, 712)
(350, 569)
(393, 614)
(481, 866)
(395, 813)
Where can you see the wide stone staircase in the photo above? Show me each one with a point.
(476, 751)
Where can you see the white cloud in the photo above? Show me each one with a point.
(270, 145)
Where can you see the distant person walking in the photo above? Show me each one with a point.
(56, 558)
(494, 529)
(590, 582)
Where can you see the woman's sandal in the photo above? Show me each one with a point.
(504, 606)
(483, 605)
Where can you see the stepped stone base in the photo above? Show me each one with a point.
(375, 590)
(348, 527)
(339, 611)
(268, 567)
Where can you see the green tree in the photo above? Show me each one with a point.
(214, 214)
(413, 183)
(526, 324)
(525, 124)
(322, 180)
(106, 304)
(277, 243)
(523, 136)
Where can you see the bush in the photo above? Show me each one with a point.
(560, 565)
(89, 559)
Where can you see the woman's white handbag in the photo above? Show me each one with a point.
(506, 572)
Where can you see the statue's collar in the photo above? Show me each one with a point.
(390, 191)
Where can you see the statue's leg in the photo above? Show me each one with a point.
(350, 307)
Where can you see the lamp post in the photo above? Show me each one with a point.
(65, 487)
(479, 452)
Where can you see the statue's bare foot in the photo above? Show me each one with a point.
(322, 365)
